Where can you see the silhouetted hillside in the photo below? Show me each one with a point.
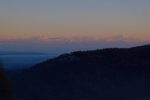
(5, 85)
(107, 74)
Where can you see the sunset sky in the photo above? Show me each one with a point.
(73, 20)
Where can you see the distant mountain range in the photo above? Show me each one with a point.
(19, 53)
(106, 74)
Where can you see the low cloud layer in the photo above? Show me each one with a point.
(61, 45)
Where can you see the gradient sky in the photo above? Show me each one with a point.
(98, 19)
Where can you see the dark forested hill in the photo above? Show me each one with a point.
(5, 85)
(107, 74)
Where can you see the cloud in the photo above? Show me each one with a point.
(60, 45)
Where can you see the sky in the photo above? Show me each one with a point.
(54, 22)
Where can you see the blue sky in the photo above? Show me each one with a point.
(74, 17)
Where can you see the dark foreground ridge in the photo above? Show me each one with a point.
(5, 85)
(107, 74)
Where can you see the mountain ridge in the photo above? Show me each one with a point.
(20, 53)
(99, 53)
(106, 74)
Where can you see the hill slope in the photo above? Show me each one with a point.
(107, 74)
